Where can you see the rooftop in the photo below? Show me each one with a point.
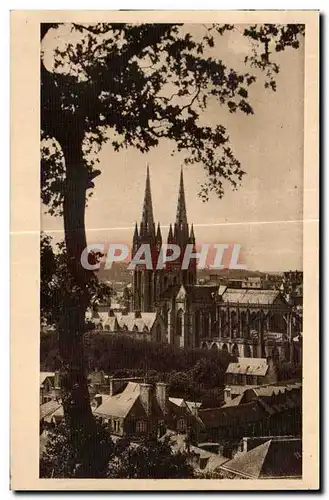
(272, 459)
(248, 366)
(121, 404)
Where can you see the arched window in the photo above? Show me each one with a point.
(181, 425)
(223, 322)
(179, 323)
(234, 324)
(235, 350)
(158, 333)
(224, 348)
(141, 426)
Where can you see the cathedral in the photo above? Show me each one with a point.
(244, 322)
(149, 286)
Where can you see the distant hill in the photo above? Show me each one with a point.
(230, 273)
(118, 272)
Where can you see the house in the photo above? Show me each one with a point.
(140, 325)
(248, 372)
(268, 410)
(140, 410)
(49, 386)
(51, 413)
(273, 459)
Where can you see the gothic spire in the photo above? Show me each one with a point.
(136, 232)
(135, 237)
(158, 235)
(192, 237)
(170, 235)
(181, 216)
(147, 224)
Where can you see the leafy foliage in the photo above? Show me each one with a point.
(190, 373)
(135, 85)
(59, 290)
(151, 459)
(77, 454)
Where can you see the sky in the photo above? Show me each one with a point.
(264, 215)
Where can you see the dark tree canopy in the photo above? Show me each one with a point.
(134, 85)
(59, 290)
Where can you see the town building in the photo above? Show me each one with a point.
(265, 410)
(248, 372)
(140, 410)
(246, 321)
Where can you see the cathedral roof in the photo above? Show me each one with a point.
(147, 223)
(201, 292)
(249, 366)
(245, 296)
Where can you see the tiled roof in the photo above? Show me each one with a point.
(120, 405)
(47, 409)
(223, 416)
(192, 405)
(249, 464)
(214, 462)
(177, 401)
(234, 401)
(44, 375)
(273, 459)
(249, 366)
(130, 322)
(246, 295)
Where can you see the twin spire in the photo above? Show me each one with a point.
(147, 226)
(181, 216)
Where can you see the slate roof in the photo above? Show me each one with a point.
(47, 409)
(272, 459)
(247, 295)
(121, 404)
(192, 405)
(129, 321)
(248, 366)
(177, 401)
(201, 293)
(44, 375)
(232, 415)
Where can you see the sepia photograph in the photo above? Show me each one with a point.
(171, 251)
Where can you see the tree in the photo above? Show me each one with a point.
(60, 298)
(133, 86)
(150, 459)
(76, 455)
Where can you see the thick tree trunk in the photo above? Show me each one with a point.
(75, 393)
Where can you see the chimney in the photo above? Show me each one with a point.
(162, 397)
(145, 396)
(227, 395)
